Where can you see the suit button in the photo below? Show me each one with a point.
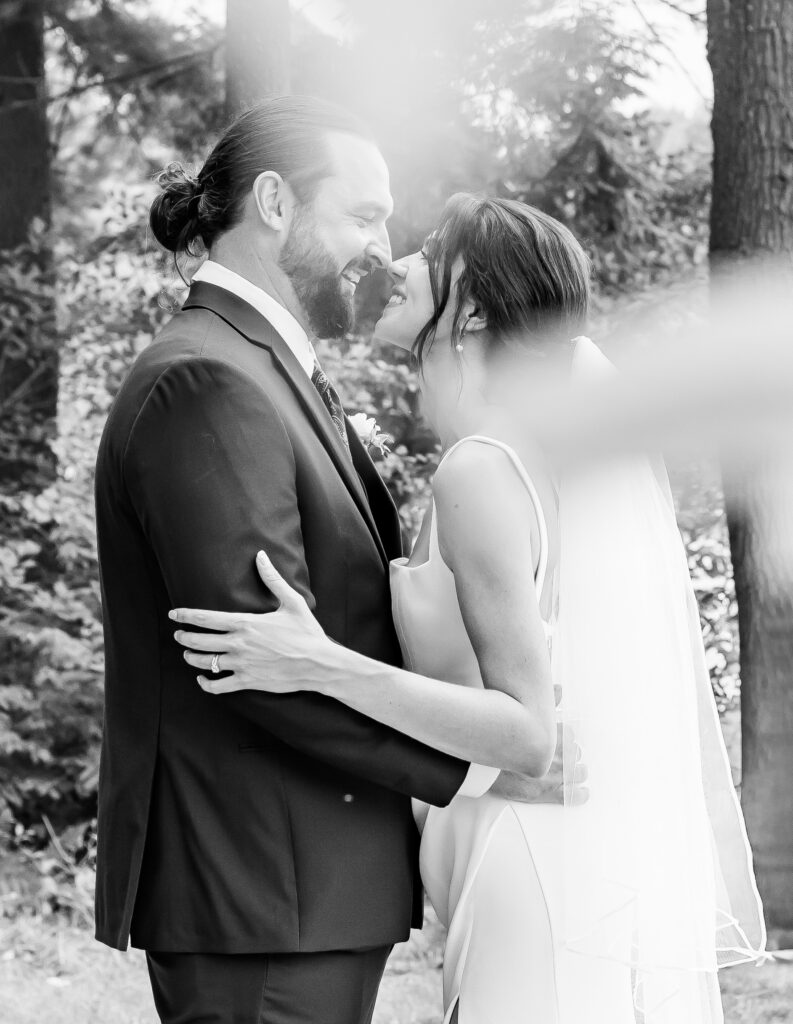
(348, 798)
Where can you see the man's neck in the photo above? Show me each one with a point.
(264, 274)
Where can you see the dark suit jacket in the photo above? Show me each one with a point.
(247, 822)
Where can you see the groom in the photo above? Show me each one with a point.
(261, 848)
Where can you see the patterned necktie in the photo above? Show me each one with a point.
(331, 400)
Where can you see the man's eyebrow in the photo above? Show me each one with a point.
(384, 210)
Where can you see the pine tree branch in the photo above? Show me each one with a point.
(22, 389)
(172, 65)
(658, 38)
(698, 17)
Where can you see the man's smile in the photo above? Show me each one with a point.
(355, 271)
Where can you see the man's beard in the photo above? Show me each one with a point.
(318, 285)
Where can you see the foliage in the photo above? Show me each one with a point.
(577, 144)
(383, 385)
(51, 874)
(703, 525)
(50, 626)
(29, 349)
(42, 703)
(126, 73)
(126, 87)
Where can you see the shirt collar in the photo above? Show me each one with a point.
(270, 308)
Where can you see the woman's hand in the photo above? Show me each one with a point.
(273, 652)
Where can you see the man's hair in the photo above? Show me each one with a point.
(287, 134)
(525, 272)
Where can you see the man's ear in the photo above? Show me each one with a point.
(274, 200)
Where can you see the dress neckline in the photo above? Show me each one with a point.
(542, 566)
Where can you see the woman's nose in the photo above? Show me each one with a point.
(398, 269)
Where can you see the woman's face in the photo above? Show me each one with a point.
(410, 306)
(408, 311)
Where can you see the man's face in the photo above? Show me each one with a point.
(340, 235)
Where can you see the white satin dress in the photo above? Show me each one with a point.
(492, 867)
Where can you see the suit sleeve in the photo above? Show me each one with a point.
(210, 471)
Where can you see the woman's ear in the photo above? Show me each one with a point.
(274, 200)
(474, 321)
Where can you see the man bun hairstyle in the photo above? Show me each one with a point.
(286, 134)
(174, 216)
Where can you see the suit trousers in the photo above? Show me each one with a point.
(267, 988)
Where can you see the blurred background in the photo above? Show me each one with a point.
(604, 113)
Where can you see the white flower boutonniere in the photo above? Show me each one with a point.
(372, 437)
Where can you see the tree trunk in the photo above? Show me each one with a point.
(28, 352)
(257, 52)
(24, 145)
(750, 48)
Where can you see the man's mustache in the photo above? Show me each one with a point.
(363, 265)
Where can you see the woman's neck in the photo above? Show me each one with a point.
(486, 420)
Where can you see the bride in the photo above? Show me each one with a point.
(526, 577)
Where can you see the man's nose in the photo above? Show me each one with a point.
(379, 248)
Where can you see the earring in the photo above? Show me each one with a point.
(459, 346)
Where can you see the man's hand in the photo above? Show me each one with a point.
(551, 788)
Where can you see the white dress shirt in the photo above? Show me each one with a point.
(271, 309)
(479, 778)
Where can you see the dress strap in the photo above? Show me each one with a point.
(542, 566)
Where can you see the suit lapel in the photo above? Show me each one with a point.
(256, 329)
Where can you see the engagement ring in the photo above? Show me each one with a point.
(215, 666)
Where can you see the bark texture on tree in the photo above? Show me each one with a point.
(750, 48)
(28, 350)
(24, 144)
(257, 52)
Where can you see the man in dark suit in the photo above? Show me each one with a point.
(260, 849)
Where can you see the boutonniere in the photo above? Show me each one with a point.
(370, 434)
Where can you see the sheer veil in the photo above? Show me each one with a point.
(657, 866)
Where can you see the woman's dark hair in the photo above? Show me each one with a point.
(525, 272)
(286, 134)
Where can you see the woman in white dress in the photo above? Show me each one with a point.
(555, 915)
